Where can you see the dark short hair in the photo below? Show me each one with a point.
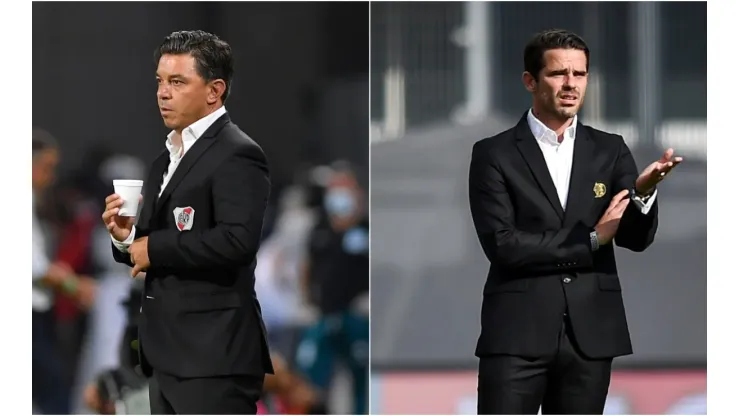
(42, 140)
(534, 52)
(212, 55)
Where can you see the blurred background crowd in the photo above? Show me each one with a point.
(300, 91)
(447, 74)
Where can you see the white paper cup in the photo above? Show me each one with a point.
(129, 190)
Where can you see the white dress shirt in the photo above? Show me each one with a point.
(559, 158)
(189, 136)
(41, 297)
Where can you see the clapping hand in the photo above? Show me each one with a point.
(656, 172)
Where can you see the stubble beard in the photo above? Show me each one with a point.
(567, 113)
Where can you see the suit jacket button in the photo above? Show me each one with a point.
(566, 280)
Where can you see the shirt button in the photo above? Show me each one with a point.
(566, 280)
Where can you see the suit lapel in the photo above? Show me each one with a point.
(191, 156)
(151, 188)
(580, 191)
(532, 153)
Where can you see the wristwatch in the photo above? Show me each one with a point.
(594, 240)
(641, 198)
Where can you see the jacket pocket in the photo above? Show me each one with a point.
(207, 302)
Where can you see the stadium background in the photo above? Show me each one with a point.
(444, 75)
(300, 90)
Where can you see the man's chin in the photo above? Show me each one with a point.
(567, 112)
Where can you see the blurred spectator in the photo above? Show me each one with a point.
(337, 282)
(278, 267)
(75, 242)
(50, 382)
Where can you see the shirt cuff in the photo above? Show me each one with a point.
(123, 246)
(645, 206)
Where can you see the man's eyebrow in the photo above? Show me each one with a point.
(171, 76)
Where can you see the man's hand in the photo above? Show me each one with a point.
(85, 295)
(656, 172)
(608, 225)
(94, 401)
(139, 251)
(119, 227)
(57, 273)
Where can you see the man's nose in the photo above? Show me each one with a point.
(163, 93)
(568, 81)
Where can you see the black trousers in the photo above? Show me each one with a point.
(564, 383)
(50, 389)
(169, 395)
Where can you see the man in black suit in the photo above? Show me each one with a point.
(201, 335)
(549, 199)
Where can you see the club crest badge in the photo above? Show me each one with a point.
(184, 218)
(599, 189)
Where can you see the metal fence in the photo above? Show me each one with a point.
(461, 62)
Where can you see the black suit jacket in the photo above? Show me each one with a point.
(200, 315)
(542, 264)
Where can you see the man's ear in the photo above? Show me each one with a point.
(529, 81)
(216, 90)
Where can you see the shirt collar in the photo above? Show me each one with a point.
(544, 134)
(193, 132)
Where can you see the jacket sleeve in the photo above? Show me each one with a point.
(120, 256)
(506, 246)
(240, 190)
(636, 230)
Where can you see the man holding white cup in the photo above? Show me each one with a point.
(201, 335)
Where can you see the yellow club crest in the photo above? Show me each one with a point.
(599, 189)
